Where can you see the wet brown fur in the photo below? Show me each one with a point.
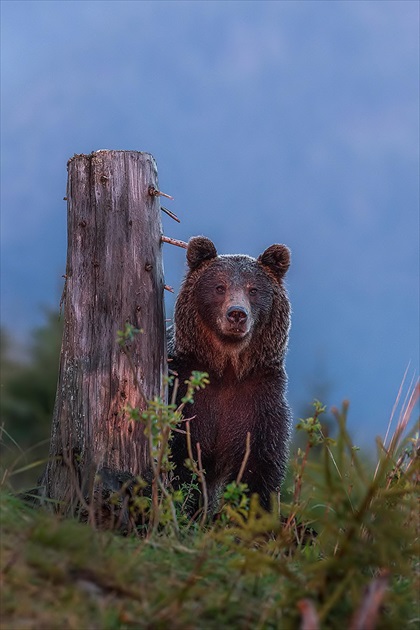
(247, 376)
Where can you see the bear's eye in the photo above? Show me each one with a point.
(220, 289)
(253, 291)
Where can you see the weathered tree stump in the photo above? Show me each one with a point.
(114, 276)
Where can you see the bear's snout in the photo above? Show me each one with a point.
(236, 323)
(237, 315)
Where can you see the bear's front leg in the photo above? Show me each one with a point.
(263, 478)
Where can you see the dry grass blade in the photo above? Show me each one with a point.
(404, 419)
(394, 408)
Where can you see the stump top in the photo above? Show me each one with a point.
(89, 156)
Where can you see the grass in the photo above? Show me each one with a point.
(65, 575)
(344, 554)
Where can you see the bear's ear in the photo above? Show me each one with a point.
(277, 259)
(199, 249)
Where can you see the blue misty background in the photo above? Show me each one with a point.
(293, 122)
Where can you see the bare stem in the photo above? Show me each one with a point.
(174, 241)
(202, 479)
(170, 214)
(245, 458)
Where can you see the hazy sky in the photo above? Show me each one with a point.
(293, 122)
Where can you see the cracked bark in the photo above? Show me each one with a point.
(114, 276)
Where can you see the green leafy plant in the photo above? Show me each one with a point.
(160, 420)
(343, 553)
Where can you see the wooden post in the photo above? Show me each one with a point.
(114, 276)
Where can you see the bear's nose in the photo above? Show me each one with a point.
(236, 314)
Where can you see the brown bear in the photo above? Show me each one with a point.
(232, 319)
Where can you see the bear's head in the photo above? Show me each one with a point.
(230, 303)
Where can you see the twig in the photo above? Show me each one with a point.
(198, 470)
(89, 507)
(168, 288)
(157, 193)
(170, 214)
(174, 241)
(298, 487)
(181, 548)
(203, 485)
(174, 391)
(245, 458)
(157, 482)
